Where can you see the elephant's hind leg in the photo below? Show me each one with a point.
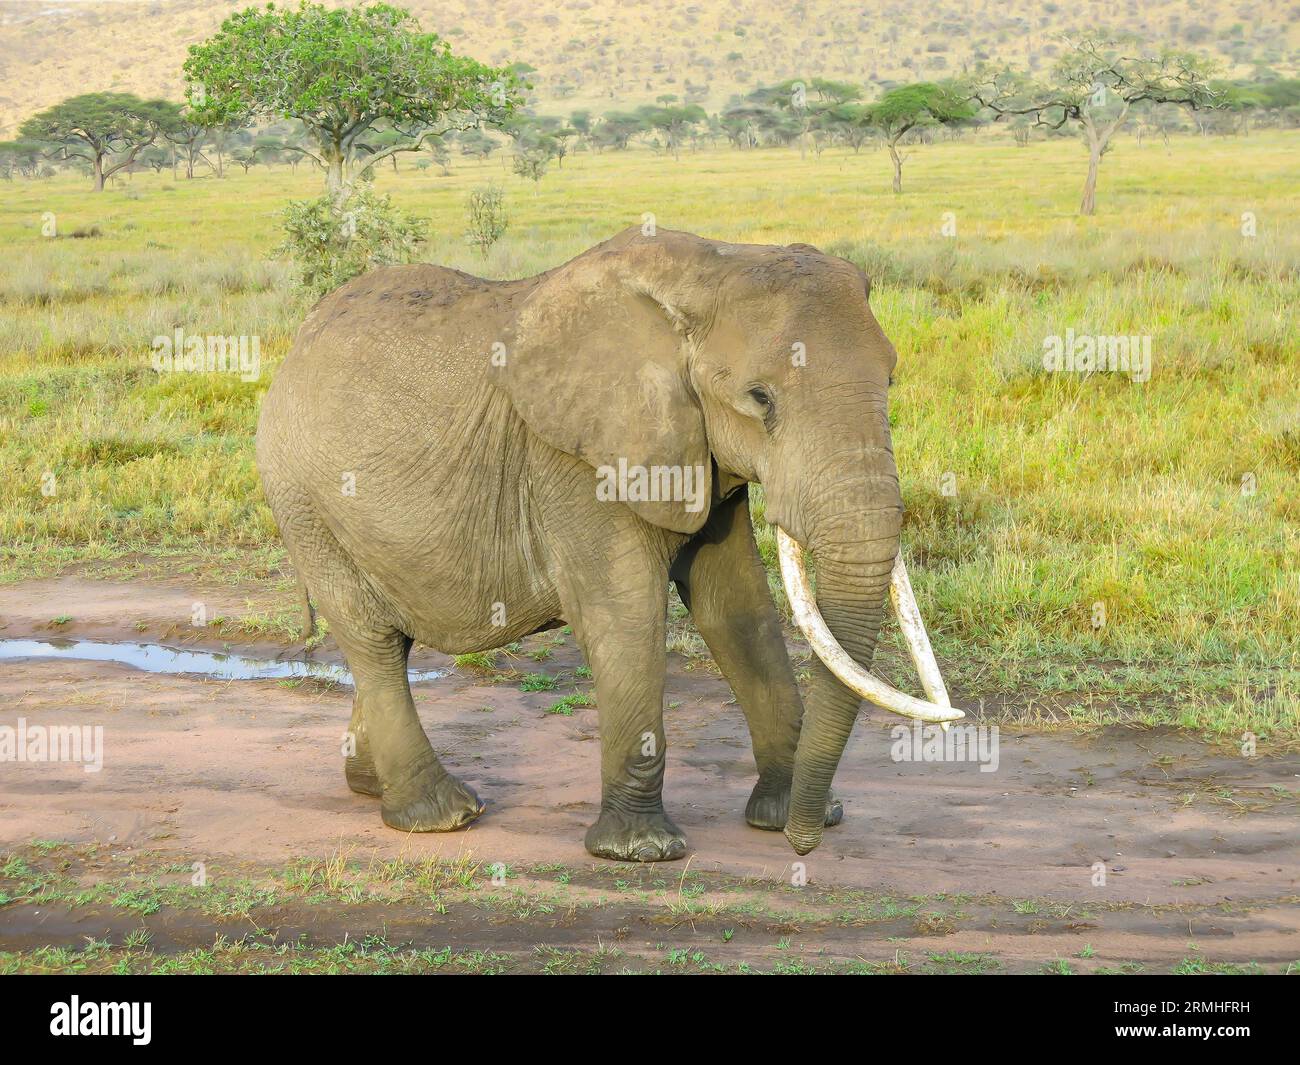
(417, 794)
(390, 755)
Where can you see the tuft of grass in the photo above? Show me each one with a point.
(538, 682)
(569, 703)
(485, 660)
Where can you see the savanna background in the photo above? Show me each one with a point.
(1089, 551)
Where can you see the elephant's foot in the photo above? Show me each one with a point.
(769, 807)
(639, 837)
(360, 772)
(432, 801)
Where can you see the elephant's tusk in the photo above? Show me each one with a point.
(913, 628)
(809, 619)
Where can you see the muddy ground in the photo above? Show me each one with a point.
(936, 867)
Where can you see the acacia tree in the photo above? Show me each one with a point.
(617, 128)
(477, 145)
(675, 122)
(107, 130)
(581, 124)
(345, 74)
(804, 103)
(187, 135)
(738, 123)
(1094, 85)
(22, 157)
(851, 122)
(909, 107)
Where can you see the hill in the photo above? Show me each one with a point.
(600, 56)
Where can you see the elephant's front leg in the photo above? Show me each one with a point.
(616, 598)
(722, 581)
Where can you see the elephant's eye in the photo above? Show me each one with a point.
(763, 398)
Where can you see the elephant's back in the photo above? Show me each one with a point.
(399, 350)
(399, 314)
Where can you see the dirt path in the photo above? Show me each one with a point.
(1198, 845)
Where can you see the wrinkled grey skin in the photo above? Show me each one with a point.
(476, 499)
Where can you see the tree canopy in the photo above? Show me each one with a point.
(345, 73)
(106, 129)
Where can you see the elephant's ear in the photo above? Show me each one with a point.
(597, 369)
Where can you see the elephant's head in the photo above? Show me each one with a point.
(747, 363)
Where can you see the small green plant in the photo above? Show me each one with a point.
(487, 217)
(537, 682)
(137, 939)
(531, 162)
(566, 705)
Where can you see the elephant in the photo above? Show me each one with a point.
(464, 462)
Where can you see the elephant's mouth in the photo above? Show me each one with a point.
(809, 619)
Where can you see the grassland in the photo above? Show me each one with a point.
(1031, 497)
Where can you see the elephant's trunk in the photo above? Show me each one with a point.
(855, 571)
(852, 587)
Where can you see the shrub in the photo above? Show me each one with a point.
(332, 244)
(487, 217)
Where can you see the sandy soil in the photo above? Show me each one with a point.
(251, 772)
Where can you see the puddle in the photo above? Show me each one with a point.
(155, 658)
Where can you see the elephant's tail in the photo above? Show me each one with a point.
(308, 612)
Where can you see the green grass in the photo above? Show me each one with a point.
(1031, 497)
(485, 660)
(377, 914)
(538, 682)
(569, 703)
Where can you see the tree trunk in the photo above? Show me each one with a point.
(1089, 203)
(334, 174)
(898, 166)
(1097, 142)
(99, 171)
(1096, 145)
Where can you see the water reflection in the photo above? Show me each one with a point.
(155, 658)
